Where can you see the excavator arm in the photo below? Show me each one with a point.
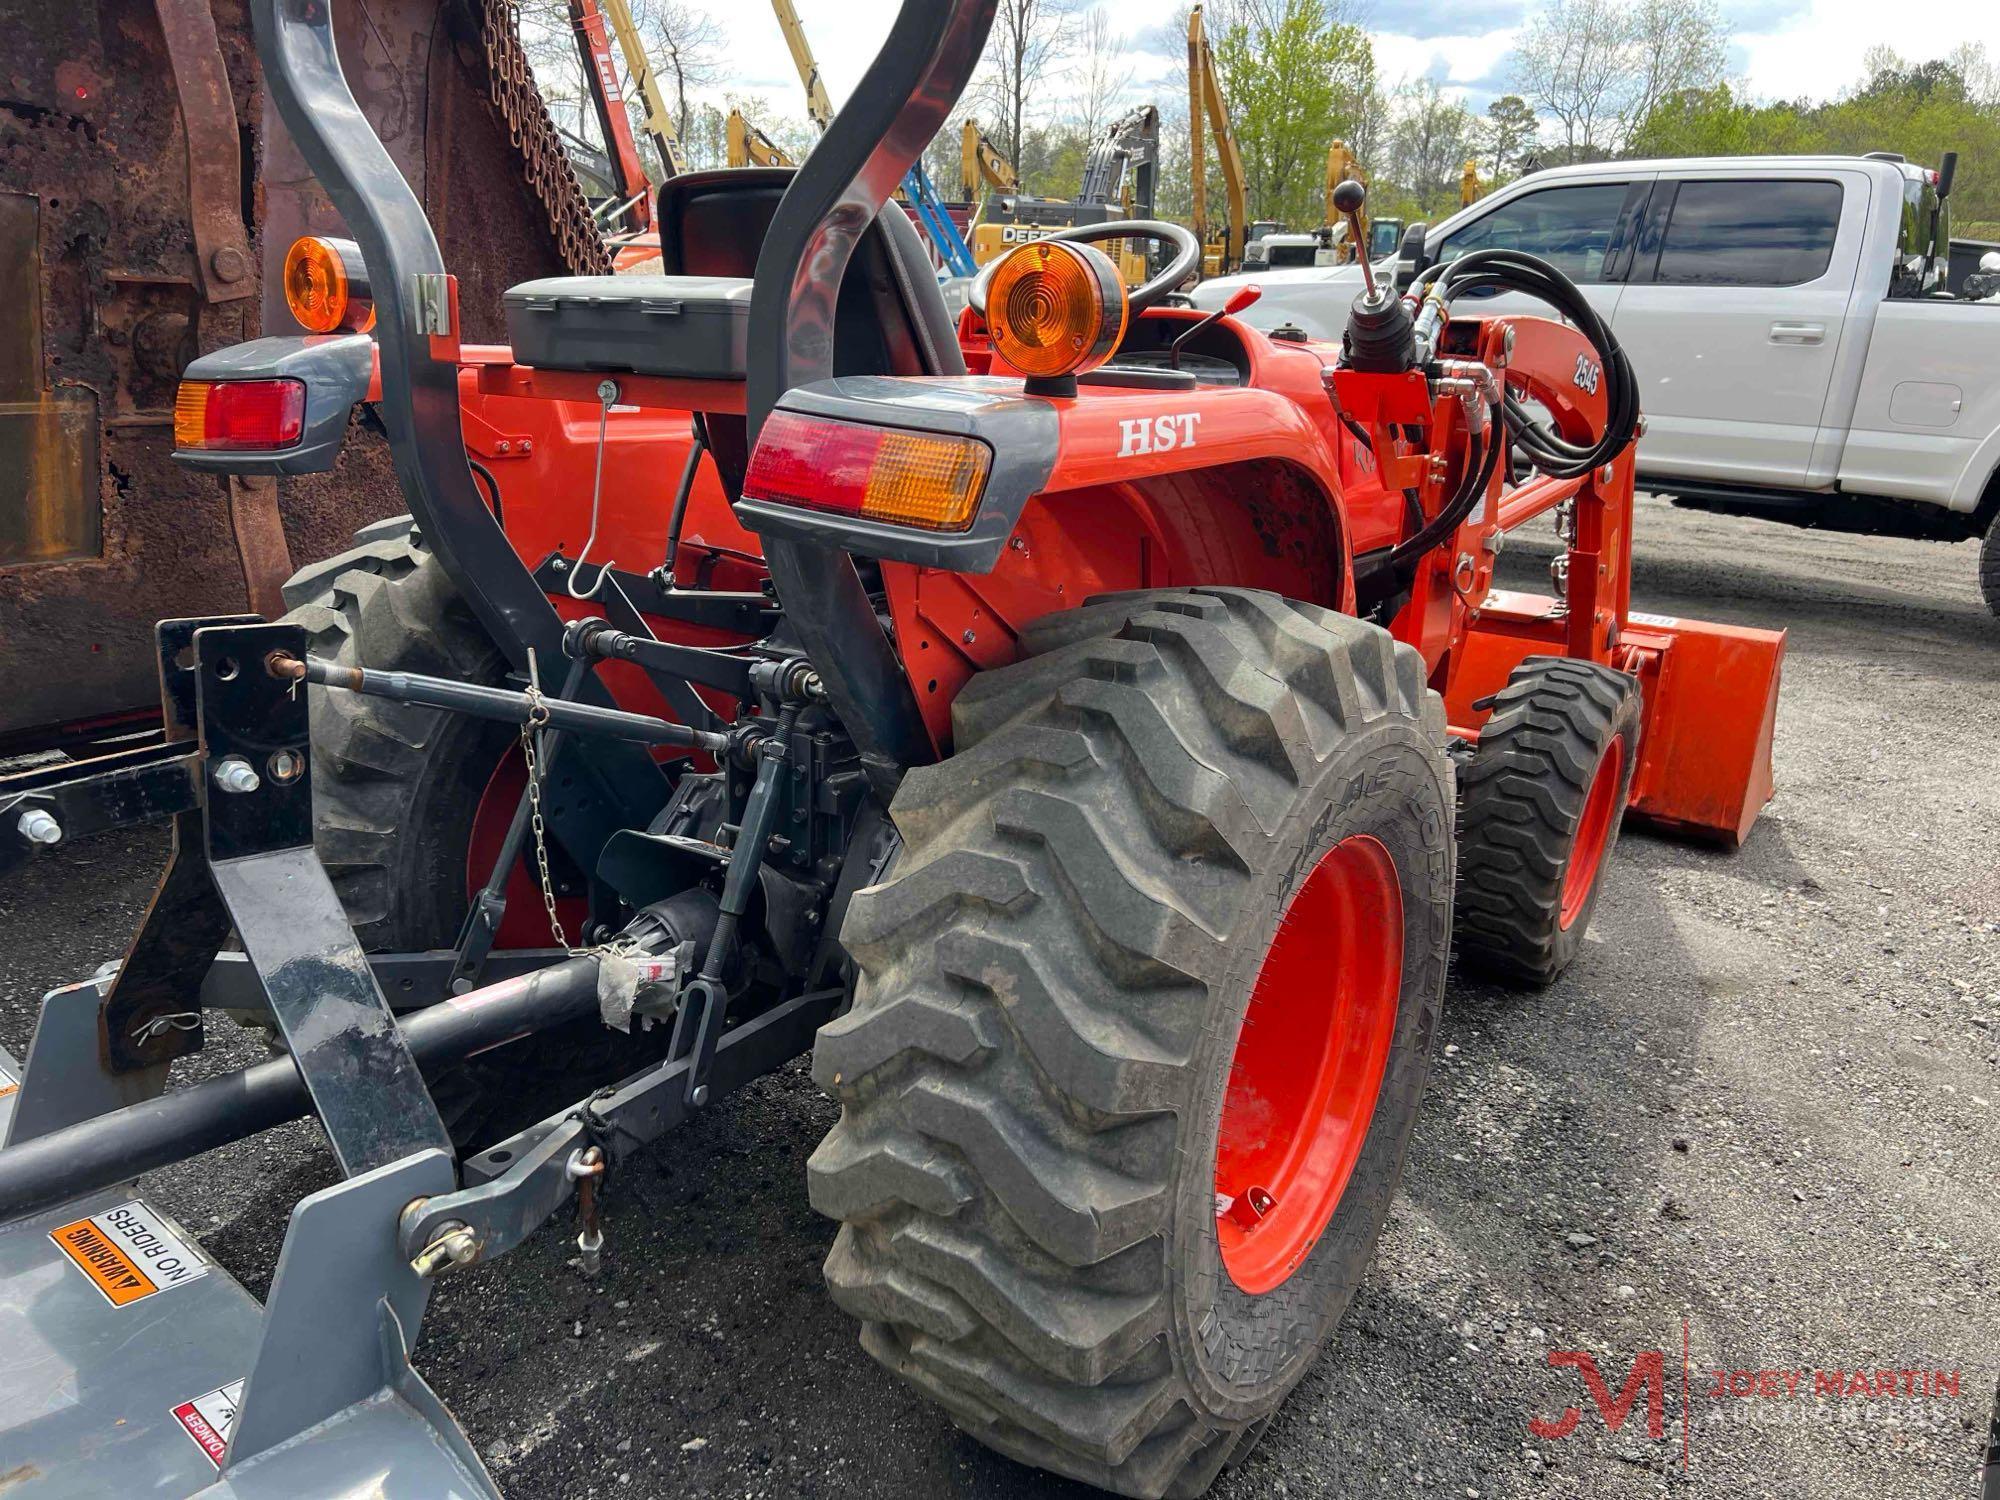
(1205, 99)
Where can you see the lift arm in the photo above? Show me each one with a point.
(818, 105)
(1128, 154)
(1205, 97)
(659, 120)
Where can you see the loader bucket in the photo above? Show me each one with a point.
(1711, 703)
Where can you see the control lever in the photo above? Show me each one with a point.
(1239, 299)
(1379, 338)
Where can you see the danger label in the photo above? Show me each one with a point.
(210, 1419)
(128, 1253)
(9, 1084)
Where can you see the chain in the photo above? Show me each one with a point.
(538, 717)
(546, 165)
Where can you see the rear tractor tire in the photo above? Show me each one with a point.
(1143, 1015)
(1540, 806)
(396, 790)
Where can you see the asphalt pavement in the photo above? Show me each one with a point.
(1753, 1131)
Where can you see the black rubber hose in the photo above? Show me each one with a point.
(1517, 271)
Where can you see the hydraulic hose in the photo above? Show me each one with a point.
(1517, 271)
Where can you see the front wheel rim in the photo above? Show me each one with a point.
(1593, 833)
(1309, 1062)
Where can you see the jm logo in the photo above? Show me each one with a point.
(1648, 1377)
(1157, 434)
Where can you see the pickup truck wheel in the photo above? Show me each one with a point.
(397, 792)
(1989, 566)
(1144, 1010)
(1539, 812)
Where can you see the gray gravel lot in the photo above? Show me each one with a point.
(1759, 1114)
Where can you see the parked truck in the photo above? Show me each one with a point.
(1797, 352)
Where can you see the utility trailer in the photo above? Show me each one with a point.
(1088, 728)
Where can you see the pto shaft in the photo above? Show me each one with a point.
(118, 1146)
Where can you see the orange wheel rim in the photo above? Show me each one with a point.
(1593, 832)
(1309, 1063)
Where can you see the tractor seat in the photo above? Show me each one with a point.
(692, 321)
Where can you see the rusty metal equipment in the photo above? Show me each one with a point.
(145, 190)
(1088, 726)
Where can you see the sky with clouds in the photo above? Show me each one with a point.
(1783, 49)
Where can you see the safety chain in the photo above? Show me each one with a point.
(511, 84)
(531, 729)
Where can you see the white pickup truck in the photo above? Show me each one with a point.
(1796, 353)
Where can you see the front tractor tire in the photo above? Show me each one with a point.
(1540, 806)
(1143, 1014)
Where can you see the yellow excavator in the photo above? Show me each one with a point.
(982, 167)
(750, 147)
(1223, 250)
(1120, 173)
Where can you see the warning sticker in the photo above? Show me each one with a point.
(9, 1084)
(1658, 622)
(210, 1419)
(129, 1253)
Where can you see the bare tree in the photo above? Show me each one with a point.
(1101, 74)
(684, 43)
(1599, 67)
(1672, 46)
(1429, 142)
(1024, 51)
(1573, 64)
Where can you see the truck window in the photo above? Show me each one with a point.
(1569, 227)
(1770, 232)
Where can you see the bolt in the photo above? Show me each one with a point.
(455, 1246)
(527, 445)
(503, 446)
(699, 1098)
(607, 391)
(228, 264)
(233, 774)
(285, 766)
(970, 638)
(38, 827)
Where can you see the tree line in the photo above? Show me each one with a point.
(1587, 80)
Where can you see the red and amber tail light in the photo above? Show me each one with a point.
(239, 416)
(923, 479)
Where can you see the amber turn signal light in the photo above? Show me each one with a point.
(1055, 308)
(326, 286)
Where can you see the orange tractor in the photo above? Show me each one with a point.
(1087, 727)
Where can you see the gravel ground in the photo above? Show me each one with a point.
(1758, 1115)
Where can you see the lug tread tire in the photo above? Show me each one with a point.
(1027, 1017)
(1521, 799)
